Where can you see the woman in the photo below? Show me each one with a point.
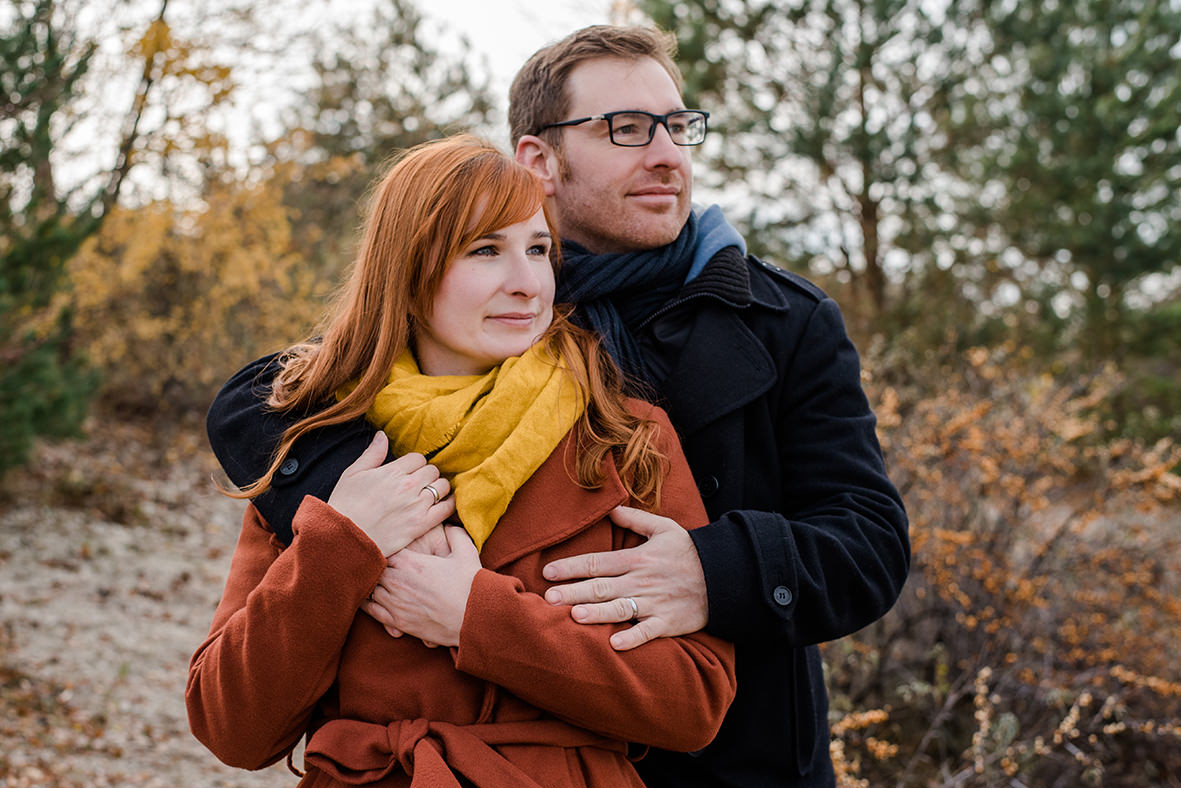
(447, 337)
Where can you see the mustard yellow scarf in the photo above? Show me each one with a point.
(486, 433)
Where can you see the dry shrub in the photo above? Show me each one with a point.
(170, 301)
(1036, 643)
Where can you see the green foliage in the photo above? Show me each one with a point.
(44, 390)
(824, 129)
(1149, 407)
(43, 384)
(1065, 117)
(1004, 156)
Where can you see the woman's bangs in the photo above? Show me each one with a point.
(514, 196)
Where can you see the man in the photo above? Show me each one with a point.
(809, 538)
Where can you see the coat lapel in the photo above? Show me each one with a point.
(550, 508)
(723, 367)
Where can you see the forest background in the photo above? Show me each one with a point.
(989, 189)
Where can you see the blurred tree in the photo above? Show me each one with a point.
(233, 260)
(43, 385)
(978, 155)
(45, 57)
(1066, 117)
(825, 130)
(382, 83)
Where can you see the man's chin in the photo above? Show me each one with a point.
(647, 233)
(655, 228)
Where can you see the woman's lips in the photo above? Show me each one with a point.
(521, 319)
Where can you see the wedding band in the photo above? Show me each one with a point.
(635, 607)
(433, 491)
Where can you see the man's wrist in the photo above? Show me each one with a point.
(730, 568)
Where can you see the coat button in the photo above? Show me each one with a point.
(782, 595)
(289, 466)
(708, 486)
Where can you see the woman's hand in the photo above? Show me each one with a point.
(426, 595)
(391, 502)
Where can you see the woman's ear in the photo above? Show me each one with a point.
(537, 154)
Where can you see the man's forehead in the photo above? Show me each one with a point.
(607, 84)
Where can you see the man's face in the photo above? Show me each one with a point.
(610, 198)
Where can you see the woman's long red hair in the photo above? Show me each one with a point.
(434, 201)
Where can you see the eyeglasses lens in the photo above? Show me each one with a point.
(637, 128)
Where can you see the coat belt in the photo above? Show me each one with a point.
(432, 753)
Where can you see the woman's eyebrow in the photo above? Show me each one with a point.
(496, 236)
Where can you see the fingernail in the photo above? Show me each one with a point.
(579, 612)
(553, 596)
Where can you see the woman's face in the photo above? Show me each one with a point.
(494, 301)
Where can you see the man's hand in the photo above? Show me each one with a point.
(424, 594)
(663, 577)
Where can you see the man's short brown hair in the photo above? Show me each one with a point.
(538, 95)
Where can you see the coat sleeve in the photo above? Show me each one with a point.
(671, 692)
(244, 433)
(833, 557)
(277, 635)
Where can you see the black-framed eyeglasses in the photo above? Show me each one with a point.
(635, 128)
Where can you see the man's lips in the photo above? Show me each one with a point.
(656, 191)
(656, 196)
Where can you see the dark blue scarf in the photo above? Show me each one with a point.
(615, 293)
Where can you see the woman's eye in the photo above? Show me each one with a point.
(539, 249)
(484, 251)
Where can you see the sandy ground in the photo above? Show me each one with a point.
(112, 559)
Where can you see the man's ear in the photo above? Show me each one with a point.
(536, 154)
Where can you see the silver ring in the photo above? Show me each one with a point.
(433, 491)
(635, 607)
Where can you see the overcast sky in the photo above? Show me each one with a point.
(509, 31)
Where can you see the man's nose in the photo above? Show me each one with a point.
(662, 151)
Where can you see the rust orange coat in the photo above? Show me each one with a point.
(528, 697)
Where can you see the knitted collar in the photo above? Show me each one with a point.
(616, 293)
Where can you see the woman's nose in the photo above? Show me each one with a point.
(524, 276)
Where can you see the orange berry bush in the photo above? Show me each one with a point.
(1037, 640)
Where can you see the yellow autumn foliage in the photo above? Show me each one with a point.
(169, 302)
